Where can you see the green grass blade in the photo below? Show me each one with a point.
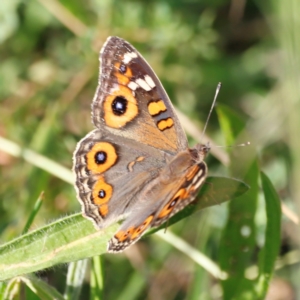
(96, 279)
(198, 257)
(34, 212)
(75, 279)
(36, 160)
(135, 284)
(37, 286)
(11, 289)
(270, 250)
(3, 286)
(238, 240)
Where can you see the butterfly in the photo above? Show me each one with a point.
(135, 165)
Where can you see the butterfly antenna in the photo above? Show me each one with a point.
(238, 145)
(211, 109)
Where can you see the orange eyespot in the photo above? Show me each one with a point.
(140, 229)
(124, 235)
(101, 157)
(123, 73)
(102, 192)
(120, 107)
(167, 209)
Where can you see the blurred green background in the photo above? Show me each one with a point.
(48, 75)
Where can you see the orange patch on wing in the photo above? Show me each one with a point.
(164, 124)
(123, 235)
(140, 229)
(103, 188)
(103, 210)
(167, 209)
(122, 78)
(132, 163)
(192, 172)
(111, 157)
(118, 121)
(156, 107)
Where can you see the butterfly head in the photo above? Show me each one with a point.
(200, 151)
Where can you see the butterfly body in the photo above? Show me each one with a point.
(136, 165)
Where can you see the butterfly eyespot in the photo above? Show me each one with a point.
(137, 232)
(132, 113)
(168, 208)
(101, 194)
(119, 105)
(100, 157)
(173, 202)
(123, 73)
(123, 68)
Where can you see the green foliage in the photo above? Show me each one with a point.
(48, 75)
(73, 238)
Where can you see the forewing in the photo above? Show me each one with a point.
(131, 102)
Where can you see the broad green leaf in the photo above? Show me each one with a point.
(66, 240)
(74, 238)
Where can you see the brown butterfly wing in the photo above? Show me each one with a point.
(110, 175)
(136, 165)
(131, 102)
(160, 201)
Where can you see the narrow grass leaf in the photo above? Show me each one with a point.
(133, 288)
(75, 279)
(270, 250)
(238, 238)
(37, 286)
(36, 160)
(34, 212)
(193, 254)
(96, 279)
